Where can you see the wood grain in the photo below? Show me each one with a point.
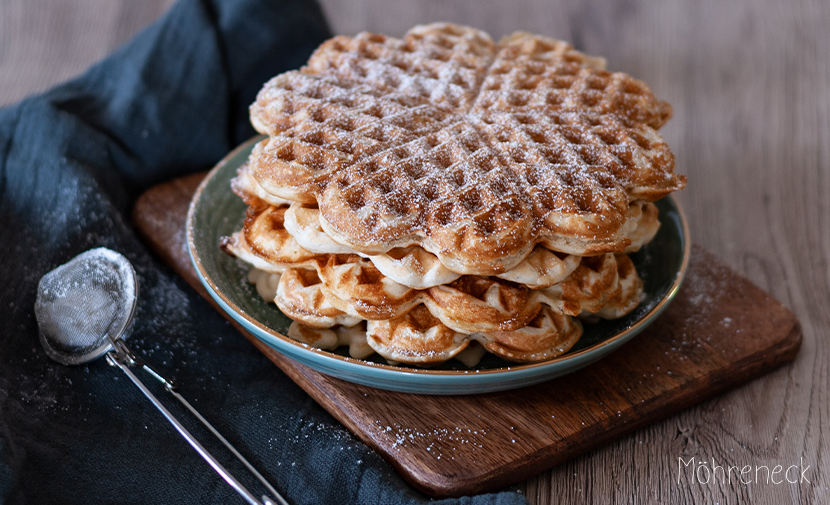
(719, 332)
(43, 42)
(749, 85)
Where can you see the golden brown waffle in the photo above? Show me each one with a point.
(266, 242)
(329, 295)
(351, 286)
(330, 339)
(629, 295)
(284, 231)
(420, 339)
(473, 150)
(247, 188)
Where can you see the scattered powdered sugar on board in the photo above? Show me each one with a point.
(710, 314)
(438, 441)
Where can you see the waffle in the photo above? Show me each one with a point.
(265, 243)
(419, 338)
(338, 291)
(416, 337)
(535, 73)
(351, 286)
(474, 151)
(419, 268)
(270, 243)
(352, 336)
(434, 325)
(415, 267)
(334, 299)
(442, 195)
(247, 188)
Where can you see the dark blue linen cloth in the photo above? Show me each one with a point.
(72, 161)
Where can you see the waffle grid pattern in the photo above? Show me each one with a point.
(448, 139)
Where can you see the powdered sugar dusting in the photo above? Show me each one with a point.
(440, 442)
(401, 142)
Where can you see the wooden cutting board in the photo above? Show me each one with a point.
(719, 332)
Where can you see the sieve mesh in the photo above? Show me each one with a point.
(82, 302)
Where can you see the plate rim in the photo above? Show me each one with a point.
(509, 372)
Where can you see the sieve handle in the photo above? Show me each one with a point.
(227, 444)
(126, 356)
(114, 360)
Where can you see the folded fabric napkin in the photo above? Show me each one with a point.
(72, 161)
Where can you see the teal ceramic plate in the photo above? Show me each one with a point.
(215, 212)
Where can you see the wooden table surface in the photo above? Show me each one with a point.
(750, 87)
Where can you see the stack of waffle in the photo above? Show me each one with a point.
(441, 195)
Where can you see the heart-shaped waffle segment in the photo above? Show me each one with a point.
(473, 150)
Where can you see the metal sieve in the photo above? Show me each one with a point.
(84, 308)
